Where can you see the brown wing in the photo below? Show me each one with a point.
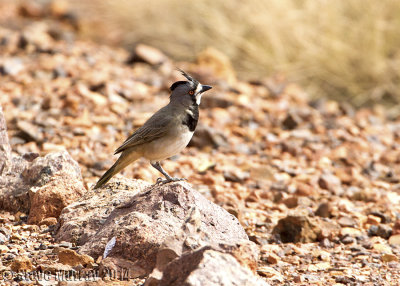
(154, 128)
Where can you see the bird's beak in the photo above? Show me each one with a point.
(205, 88)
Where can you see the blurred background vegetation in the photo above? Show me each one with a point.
(347, 50)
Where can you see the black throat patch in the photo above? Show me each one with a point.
(191, 117)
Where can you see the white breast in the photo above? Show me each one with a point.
(168, 146)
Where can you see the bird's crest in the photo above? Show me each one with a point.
(189, 78)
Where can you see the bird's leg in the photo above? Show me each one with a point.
(168, 178)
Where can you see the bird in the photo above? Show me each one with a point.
(166, 133)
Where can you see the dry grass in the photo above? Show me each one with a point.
(347, 50)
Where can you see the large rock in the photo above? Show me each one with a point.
(144, 218)
(48, 183)
(207, 267)
(192, 238)
(49, 200)
(40, 186)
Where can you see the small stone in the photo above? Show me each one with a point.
(324, 210)
(291, 121)
(147, 54)
(218, 62)
(21, 263)
(12, 66)
(3, 238)
(48, 221)
(319, 266)
(388, 257)
(207, 136)
(3, 248)
(384, 217)
(304, 190)
(329, 182)
(29, 132)
(273, 258)
(343, 280)
(298, 279)
(70, 257)
(384, 231)
(373, 230)
(270, 273)
(350, 231)
(374, 220)
(381, 230)
(396, 227)
(394, 239)
(348, 240)
(296, 229)
(65, 244)
(291, 202)
(382, 248)
(347, 221)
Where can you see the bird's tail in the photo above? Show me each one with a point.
(124, 160)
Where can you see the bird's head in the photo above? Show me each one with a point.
(187, 92)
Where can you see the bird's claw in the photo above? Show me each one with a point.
(160, 181)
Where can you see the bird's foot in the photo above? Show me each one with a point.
(160, 181)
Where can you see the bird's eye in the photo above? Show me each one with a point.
(191, 92)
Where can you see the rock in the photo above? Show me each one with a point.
(245, 252)
(396, 227)
(374, 220)
(291, 202)
(291, 121)
(145, 217)
(198, 268)
(329, 182)
(48, 221)
(147, 54)
(70, 257)
(388, 257)
(385, 218)
(270, 273)
(29, 132)
(382, 248)
(324, 210)
(3, 248)
(296, 228)
(273, 258)
(3, 238)
(11, 66)
(93, 209)
(21, 263)
(381, 230)
(347, 239)
(215, 101)
(218, 63)
(191, 238)
(5, 149)
(120, 265)
(13, 188)
(394, 239)
(49, 200)
(384, 231)
(350, 231)
(235, 175)
(347, 221)
(207, 136)
(57, 169)
(55, 267)
(31, 9)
